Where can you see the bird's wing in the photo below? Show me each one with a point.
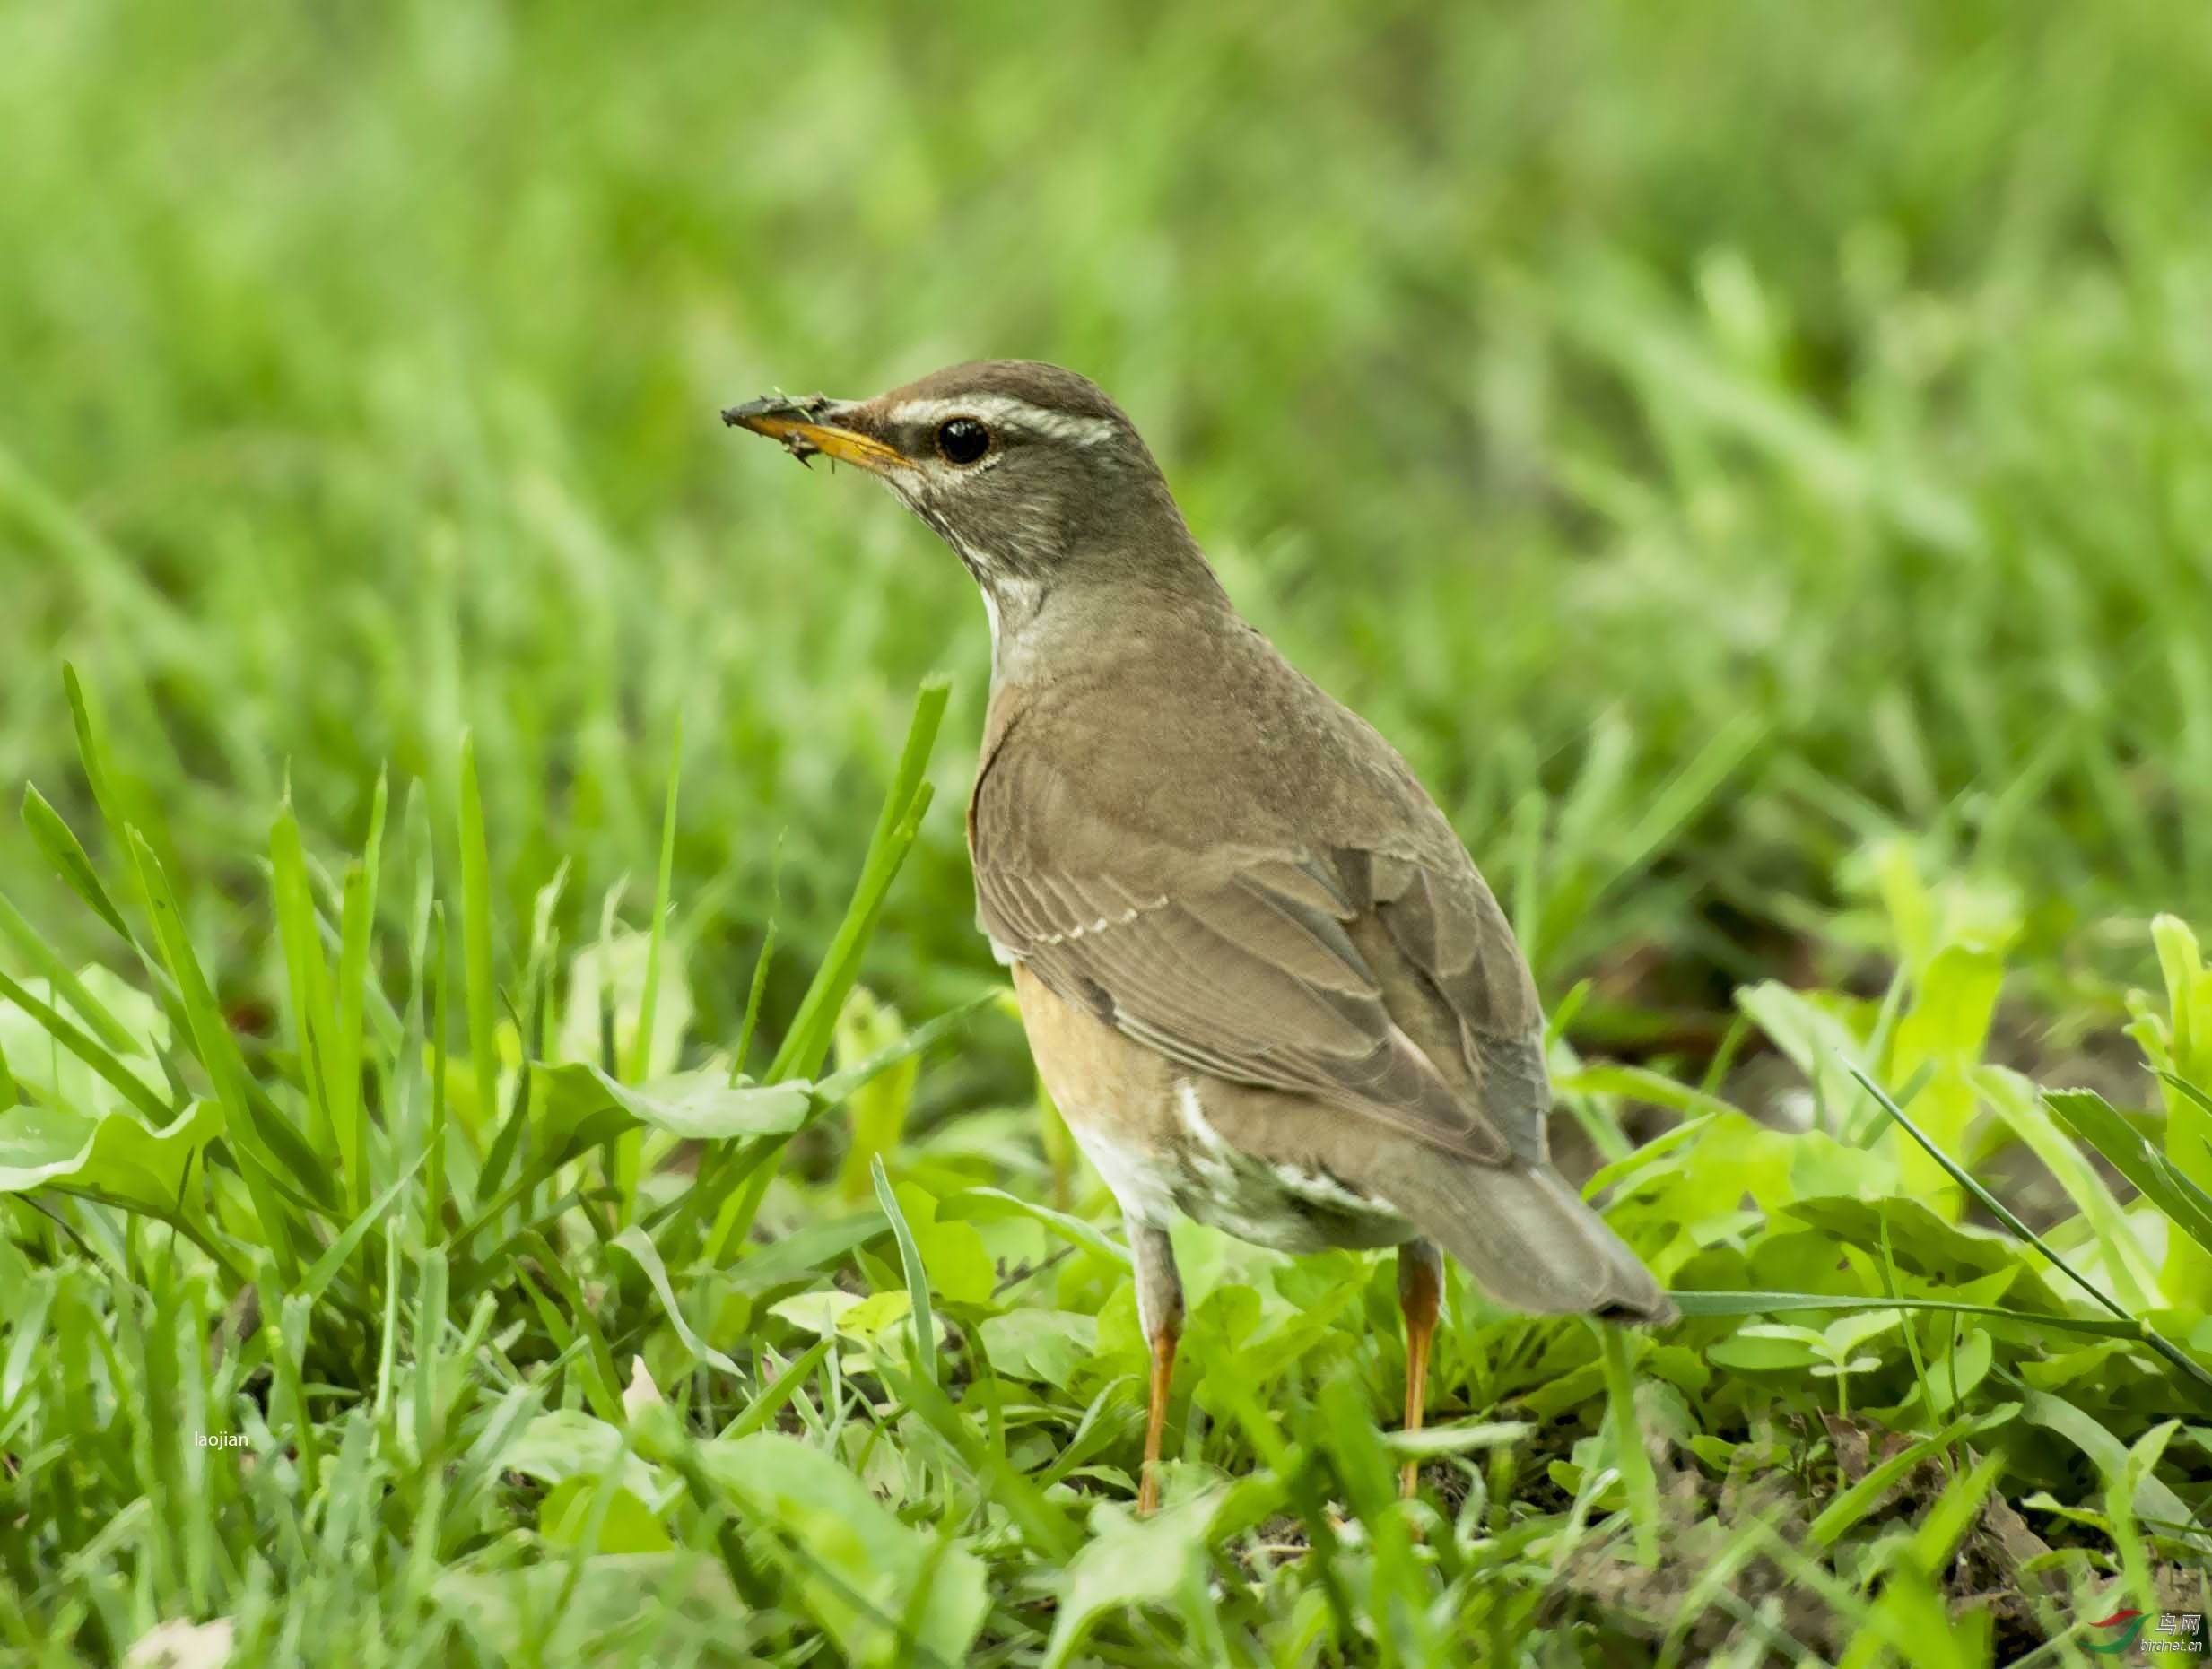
(1379, 982)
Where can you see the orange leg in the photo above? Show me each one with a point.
(1155, 1418)
(1420, 1294)
(1159, 1311)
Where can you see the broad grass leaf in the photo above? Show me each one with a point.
(916, 1203)
(2188, 996)
(992, 1204)
(1950, 1014)
(115, 1157)
(1589, 1470)
(1952, 1375)
(610, 974)
(1679, 1366)
(1753, 1350)
(803, 1252)
(1942, 1035)
(1722, 1159)
(62, 1078)
(1792, 1258)
(878, 1110)
(1219, 1327)
(863, 1574)
(866, 1320)
(1638, 1084)
(1808, 1033)
(505, 1612)
(1046, 1345)
(820, 1313)
(1811, 1029)
(1924, 1242)
(1132, 1562)
(630, 1526)
(1820, 1164)
(564, 1445)
(1850, 1332)
(2186, 1074)
(704, 1105)
(959, 1266)
(2093, 1362)
(1322, 1281)
(1563, 1390)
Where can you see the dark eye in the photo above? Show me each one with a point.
(962, 440)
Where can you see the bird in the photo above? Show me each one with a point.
(1260, 976)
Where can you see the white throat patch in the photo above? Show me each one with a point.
(1010, 656)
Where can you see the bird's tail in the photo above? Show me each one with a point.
(1529, 1240)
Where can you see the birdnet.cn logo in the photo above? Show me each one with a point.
(2175, 1632)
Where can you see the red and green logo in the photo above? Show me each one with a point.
(2128, 1623)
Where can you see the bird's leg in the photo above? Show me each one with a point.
(1160, 1313)
(1420, 1294)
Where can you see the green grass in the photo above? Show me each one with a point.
(476, 927)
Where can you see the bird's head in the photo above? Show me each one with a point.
(1038, 481)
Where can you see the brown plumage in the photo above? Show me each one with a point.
(1259, 973)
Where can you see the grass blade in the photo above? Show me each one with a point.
(476, 942)
(57, 973)
(357, 919)
(635, 1241)
(1848, 1509)
(91, 1051)
(2098, 1124)
(808, 1039)
(218, 1053)
(59, 844)
(777, 1392)
(649, 1001)
(1637, 1475)
(923, 1335)
(434, 1141)
(2011, 1220)
(307, 977)
(1717, 1303)
(327, 1266)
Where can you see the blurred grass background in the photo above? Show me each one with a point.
(1755, 460)
(1704, 441)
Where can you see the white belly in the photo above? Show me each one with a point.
(1288, 1208)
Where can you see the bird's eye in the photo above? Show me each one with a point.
(962, 440)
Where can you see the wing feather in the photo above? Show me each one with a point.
(1382, 984)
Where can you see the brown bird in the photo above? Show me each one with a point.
(1260, 974)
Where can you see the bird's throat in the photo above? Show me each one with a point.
(1012, 606)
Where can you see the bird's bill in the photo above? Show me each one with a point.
(808, 427)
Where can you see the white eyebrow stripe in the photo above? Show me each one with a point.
(1005, 410)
